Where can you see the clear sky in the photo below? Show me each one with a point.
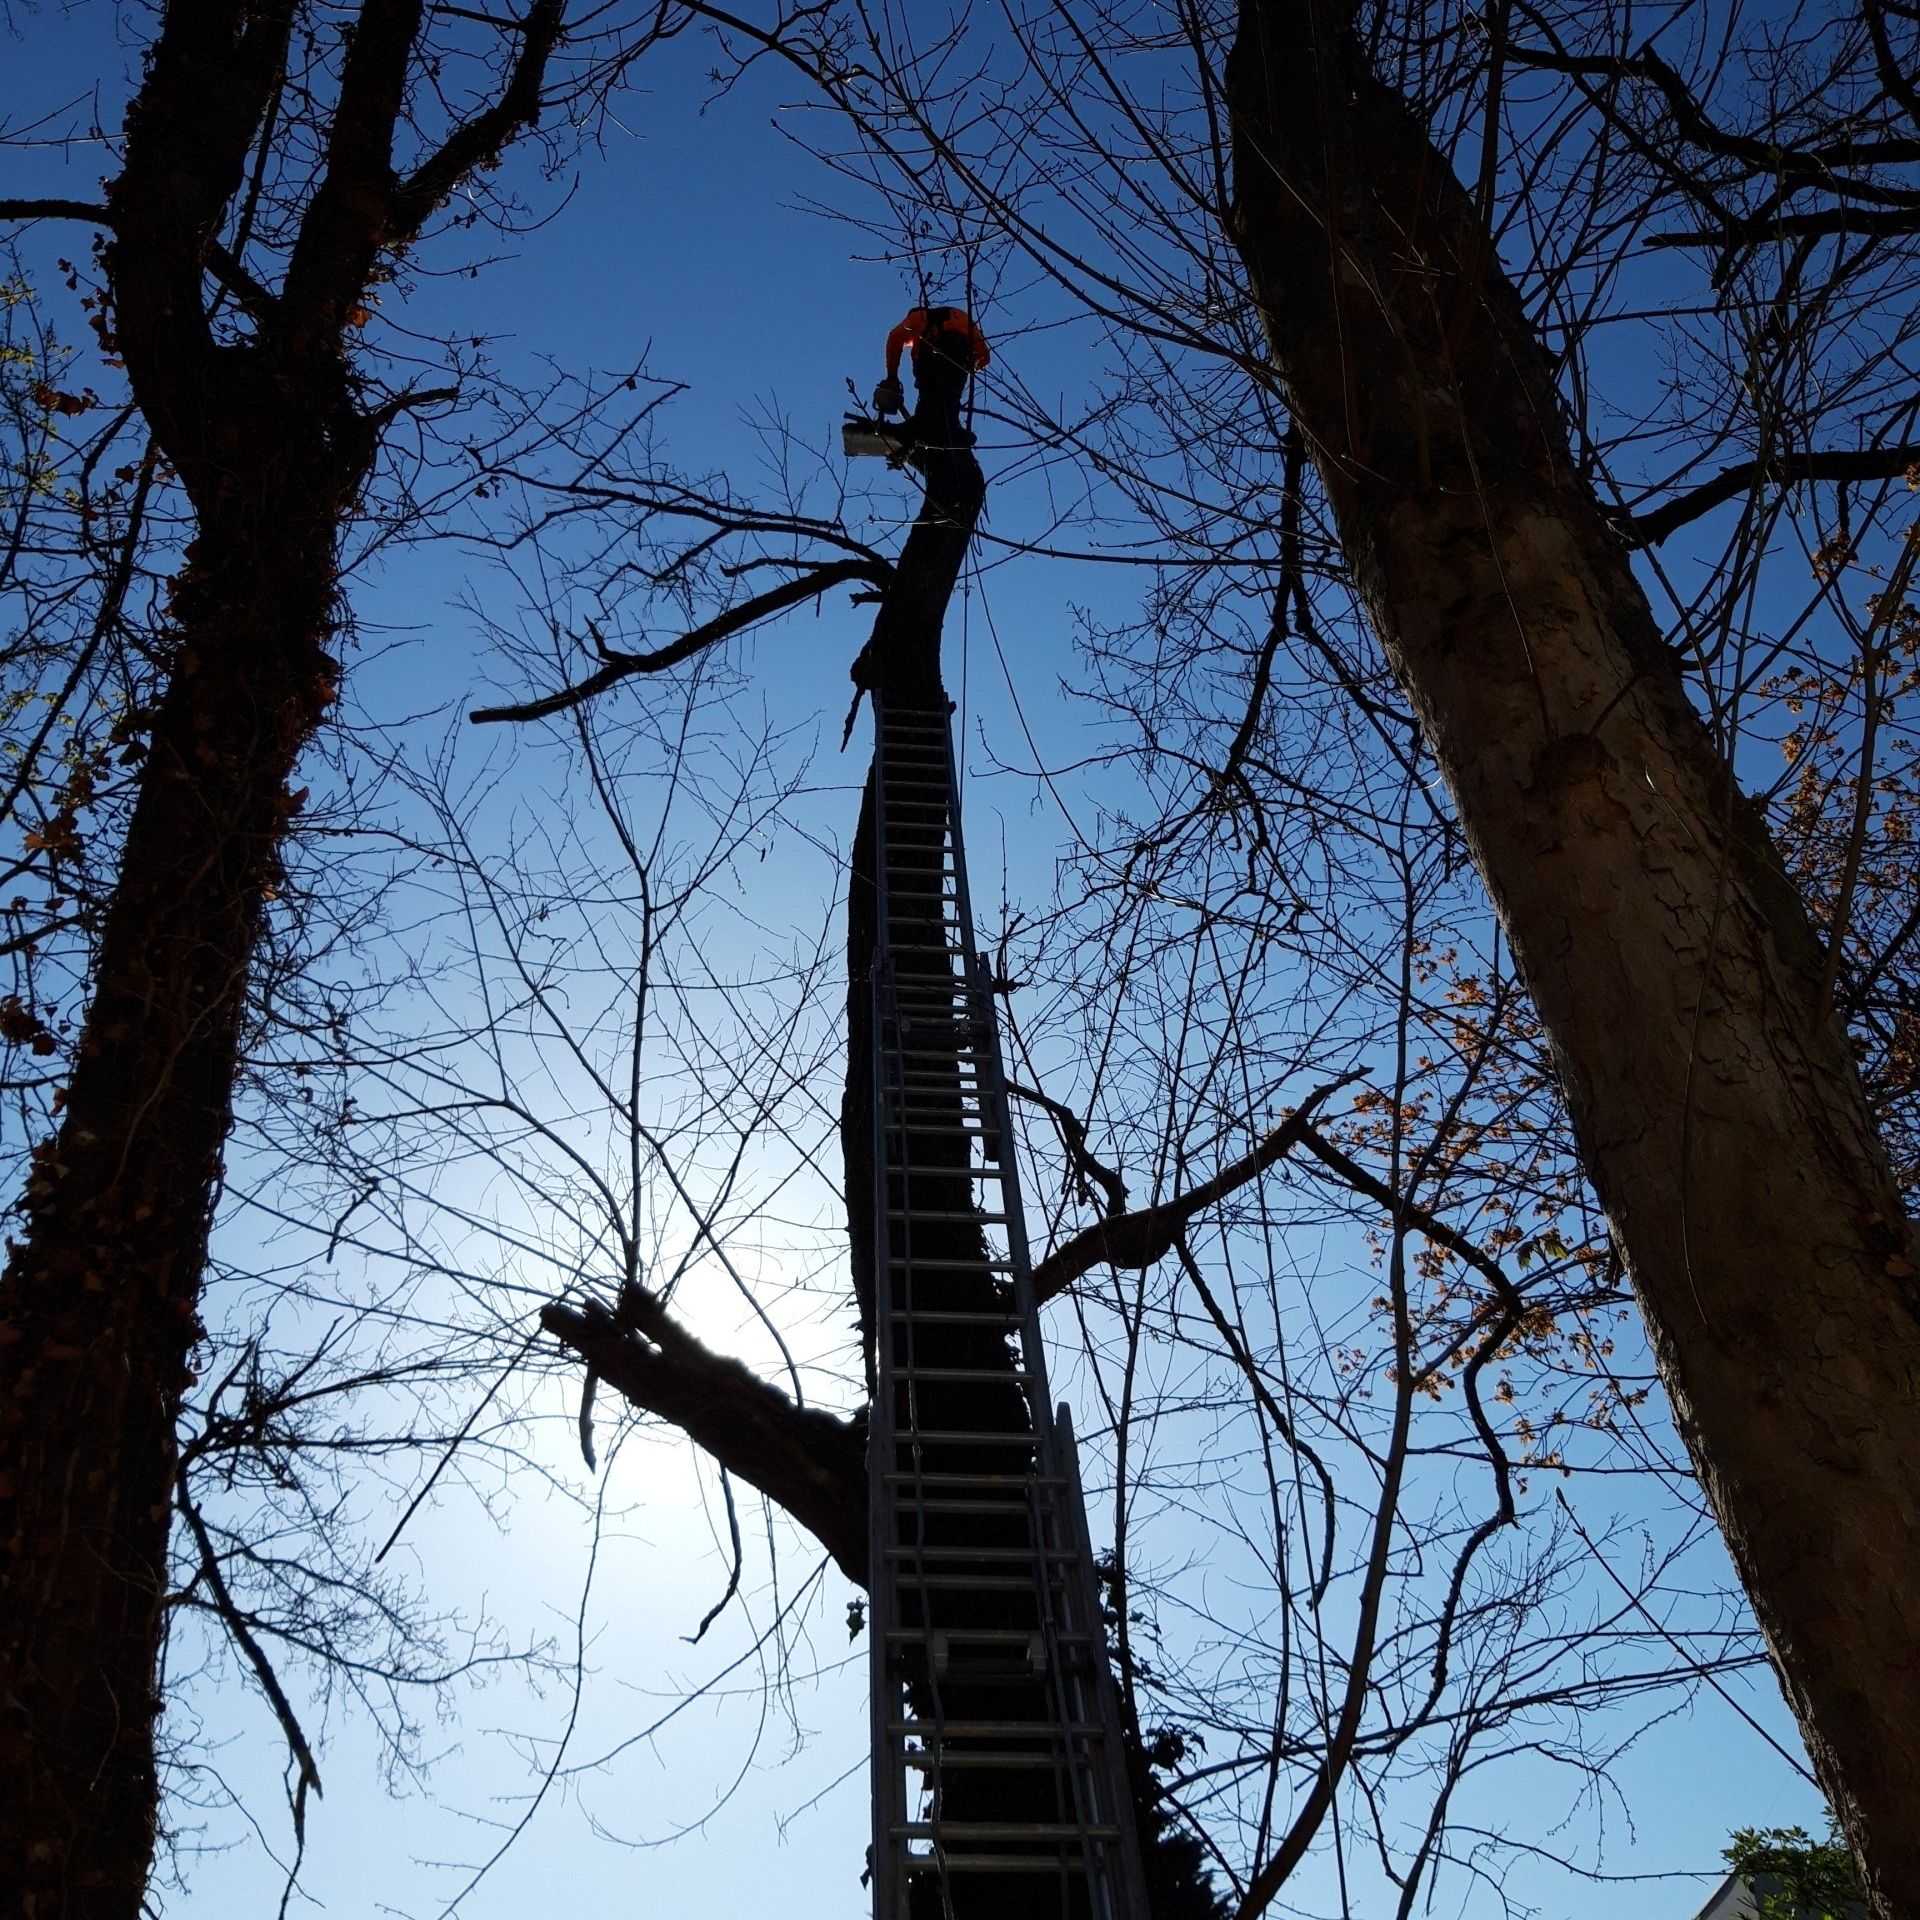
(689, 241)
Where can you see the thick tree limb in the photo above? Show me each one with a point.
(1142, 1238)
(56, 210)
(812, 1463)
(1719, 1116)
(763, 606)
(1823, 223)
(1783, 469)
(478, 142)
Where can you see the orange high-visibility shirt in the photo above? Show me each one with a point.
(956, 333)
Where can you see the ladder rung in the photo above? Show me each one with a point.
(939, 1129)
(1012, 1376)
(984, 1636)
(947, 1218)
(1004, 1318)
(952, 1173)
(964, 1761)
(954, 1437)
(950, 1266)
(966, 1583)
(1019, 1481)
(1050, 1865)
(1051, 1830)
(1002, 1729)
(1003, 1554)
(1005, 1508)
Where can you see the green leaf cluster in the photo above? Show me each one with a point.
(1812, 1879)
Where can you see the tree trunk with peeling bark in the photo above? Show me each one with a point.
(1714, 1096)
(99, 1301)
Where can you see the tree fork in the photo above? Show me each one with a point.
(1717, 1109)
(99, 1300)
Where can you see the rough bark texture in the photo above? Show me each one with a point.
(1670, 959)
(98, 1305)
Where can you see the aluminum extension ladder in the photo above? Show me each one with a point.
(998, 1778)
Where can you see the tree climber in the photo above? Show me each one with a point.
(947, 349)
(902, 656)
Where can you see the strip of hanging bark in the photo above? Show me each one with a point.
(622, 666)
(1720, 1118)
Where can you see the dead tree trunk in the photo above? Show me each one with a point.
(1717, 1107)
(98, 1305)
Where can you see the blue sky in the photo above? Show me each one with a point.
(688, 240)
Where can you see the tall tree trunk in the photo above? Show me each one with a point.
(902, 664)
(1717, 1108)
(98, 1302)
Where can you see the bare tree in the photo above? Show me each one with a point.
(1691, 1011)
(1267, 1003)
(1717, 1103)
(274, 175)
(1373, 1674)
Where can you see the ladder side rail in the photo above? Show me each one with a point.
(1069, 1688)
(889, 1781)
(889, 1798)
(892, 1852)
(1056, 1454)
(888, 1079)
(1105, 1706)
(979, 1000)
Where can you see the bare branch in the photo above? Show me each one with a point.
(1783, 469)
(56, 210)
(1142, 1238)
(748, 613)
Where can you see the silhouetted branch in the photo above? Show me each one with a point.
(1140, 1239)
(1783, 469)
(748, 613)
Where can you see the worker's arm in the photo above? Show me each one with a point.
(906, 334)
